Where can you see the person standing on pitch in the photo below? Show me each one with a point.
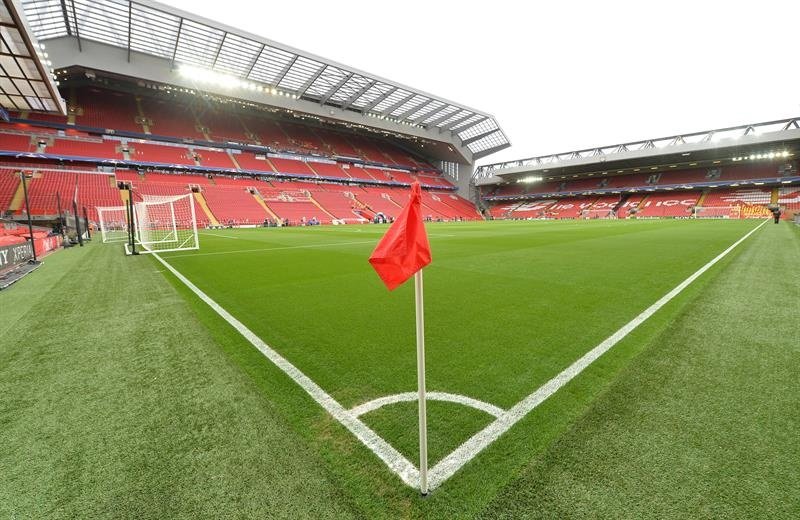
(777, 214)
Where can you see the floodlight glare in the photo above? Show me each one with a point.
(531, 178)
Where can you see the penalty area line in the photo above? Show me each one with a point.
(448, 466)
(396, 462)
(218, 235)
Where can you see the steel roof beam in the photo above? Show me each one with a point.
(377, 101)
(219, 50)
(333, 90)
(177, 41)
(478, 137)
(130, 18)
(443, 117)
(413, 110)
(77, 29)
(285, 70)
(352, 99)
(454, 124)
(255, 60)
(66, 17)
(490, 151)
(305, 86)
(397, 105)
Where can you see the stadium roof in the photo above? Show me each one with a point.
(165, 32)
(26, 80)
(722, 143)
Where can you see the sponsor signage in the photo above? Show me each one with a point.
(14, 255)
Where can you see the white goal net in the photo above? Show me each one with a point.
(165, 223)
(113, 223)
(598, 213)
(717, 212)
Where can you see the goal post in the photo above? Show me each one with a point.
(733, 211)
(164, 223)
(606, 213)
(113, 221)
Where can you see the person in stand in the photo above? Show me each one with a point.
(777, 214)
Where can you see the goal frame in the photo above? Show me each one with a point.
(734, 211)
(143, 233)
(107, 233)
(598, 214)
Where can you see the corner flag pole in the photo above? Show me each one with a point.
(404, 250)
(423, 414)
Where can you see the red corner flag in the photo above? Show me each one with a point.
(404, 249)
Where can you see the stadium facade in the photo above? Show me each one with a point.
(734, 172)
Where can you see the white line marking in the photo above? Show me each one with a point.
(469, 449)
(370, 406)
(283, 248)
(385, 451)
(219, 235)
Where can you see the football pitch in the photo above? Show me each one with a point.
(581, 368)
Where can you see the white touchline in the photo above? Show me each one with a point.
(448, 466)
(385, 451)
(467, 451)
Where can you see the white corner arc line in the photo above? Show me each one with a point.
(400, 465)
(448, 466)
(405, 397)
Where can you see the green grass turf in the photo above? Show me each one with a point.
(508, 305)
(704, 424)
(116, 402)
(533, 297)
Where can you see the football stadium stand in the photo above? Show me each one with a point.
(256, 147)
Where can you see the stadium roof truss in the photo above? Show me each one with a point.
(26, 81)
(158, 30)
(708, 140)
